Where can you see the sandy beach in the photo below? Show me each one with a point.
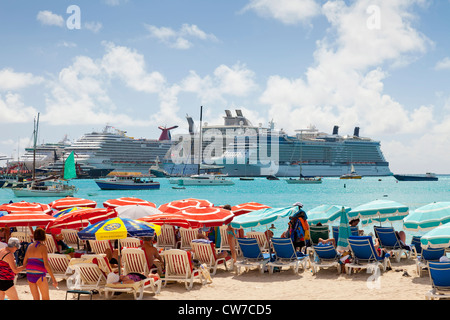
(327, 284)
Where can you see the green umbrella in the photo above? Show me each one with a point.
(439, 237)
(262, 217)
(428, 217)
(344, 230)
(380, 210)
(325, 214)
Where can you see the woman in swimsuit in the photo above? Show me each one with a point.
(36, 262)
(8, 270)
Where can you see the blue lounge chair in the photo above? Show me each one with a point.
(415, 241)
(428, 255)
(325, 256)
(286, 255)
(365, 255)
(335, 229)
(440, 280)
(252, 255)
(390, 241)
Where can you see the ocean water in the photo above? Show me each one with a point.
(278, 193)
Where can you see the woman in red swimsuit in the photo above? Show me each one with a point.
(36, 262)
(8, 270)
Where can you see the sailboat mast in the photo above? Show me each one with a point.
(200, 140)
(35, 135)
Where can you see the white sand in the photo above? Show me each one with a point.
(252, 285)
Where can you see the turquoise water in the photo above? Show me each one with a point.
(349, 193)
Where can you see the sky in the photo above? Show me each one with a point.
(381, 65)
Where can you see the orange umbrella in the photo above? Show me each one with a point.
(82, 218)
(248, 207)
(24, 206)
(70, 202)
(177, 205)
(208, 216)
(23, 219)
(127, 201)
(173, 219)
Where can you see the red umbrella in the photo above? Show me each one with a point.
(208, 216)
(127, 201)
(247, 207)
(173, 219)
(69, 202)
(177, 205)
(82, 218)
(24, 206)
(23, 219)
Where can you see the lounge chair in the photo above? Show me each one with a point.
(354, 232)
(261, 238)
(286, 255)
(428, 255)
(100, 246)
(186, 236)
(415, 241)
(22, 236)
(87, 277)
(130, 243)
(389, 240)
(365, 255)
(60, 265)
(167, 240)
(252, 255)
(206, 253)
(224, 245)
(440, 280)
(50, 243)
(317, 232)
(178, 265)
(70, 237)
(325, 256)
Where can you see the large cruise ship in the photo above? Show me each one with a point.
(247, 150)
(112, 150)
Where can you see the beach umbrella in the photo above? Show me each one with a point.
(135, 211)
(118, 228)
(24, 206)
(428, 217)
(24, 219)
(70, 202)
(177, 205)
(325, 213)
(344, 230)
(173, 219)
(82, 218)
(262, 217)
(208, 216)
(379, 210)
(62, 212)
(247, 207)
(127, 201)
(439, 237)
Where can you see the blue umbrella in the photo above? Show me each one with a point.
(344, 231)
(262, 217)
(325, 213)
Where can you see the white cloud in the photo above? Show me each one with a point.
(50, 19)
(14, 110)
(181, 39)
(95, 27)
(286, 11)
(114, 3)
(444, 64)
(11, 80)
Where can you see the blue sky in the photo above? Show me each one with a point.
(381, 65)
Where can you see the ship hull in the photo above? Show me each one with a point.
(110, 185)
(414, 178)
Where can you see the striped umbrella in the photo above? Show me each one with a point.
(439, 237)
(118, 228)
(173, 219)
(24, 219)
(82, 218)
(208, 216)
(62, 212)
(428, 217)
(127, 201)
(325, 213)
(70, 202)
(380, 210)
(135, 211)
(24, 206)
(262, 217)
(247, 207)
(178, 205)
(344, 231)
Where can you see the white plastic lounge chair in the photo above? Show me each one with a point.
(428, 255)
(325, 256)
(100, 246)
(187, 235)
(365, 255)
(224, 245)
(440, 280)
(166, 239)
(70, 237)
(50, 243)
(252, 255)
(206, 253)
(87, 276)
(22, 236)
(60, 265)
(130, 243)
(286, 256)
(179, 267)
(261, 238)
